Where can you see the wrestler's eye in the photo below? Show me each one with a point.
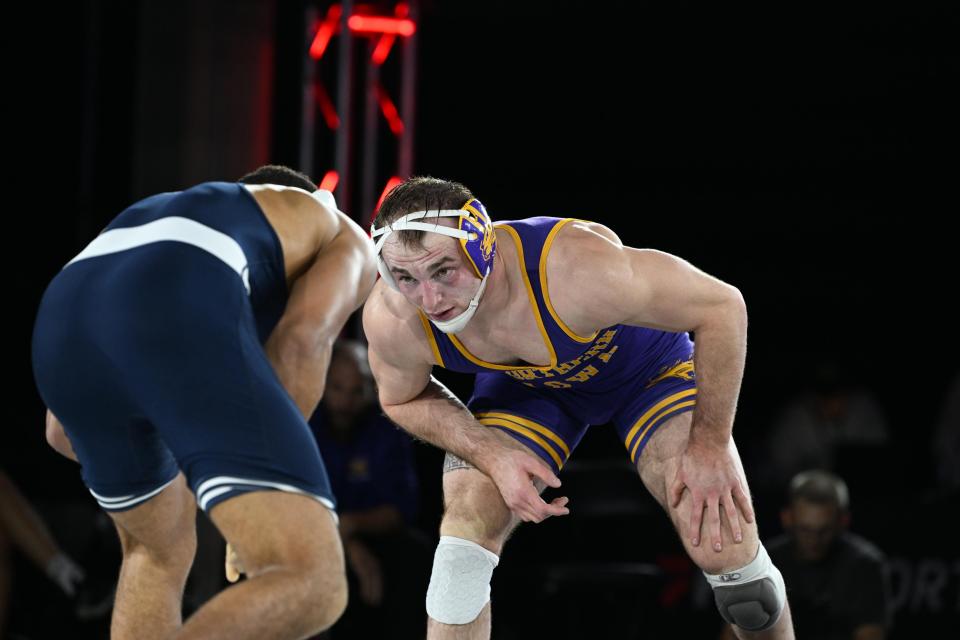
(442, 274)
(406, 280)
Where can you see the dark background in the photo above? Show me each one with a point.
(805, 153)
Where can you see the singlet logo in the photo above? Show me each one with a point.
(730, 577)
(601, 349)
(682, 370)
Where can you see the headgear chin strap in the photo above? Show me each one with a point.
(456, 325)
(477, 239)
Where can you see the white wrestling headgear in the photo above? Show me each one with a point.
(477, 239)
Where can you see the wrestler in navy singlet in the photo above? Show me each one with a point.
(148, 348)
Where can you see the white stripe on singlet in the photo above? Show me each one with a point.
(176, 229)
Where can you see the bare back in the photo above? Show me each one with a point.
(301, 223)
(330, 268)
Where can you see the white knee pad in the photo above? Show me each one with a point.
(752, 597)
(460, 582)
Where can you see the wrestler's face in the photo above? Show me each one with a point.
(435, 277)
(814, 527)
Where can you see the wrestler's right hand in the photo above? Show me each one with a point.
(514, 469)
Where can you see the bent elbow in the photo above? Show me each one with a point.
(738, 301)
(738, 307)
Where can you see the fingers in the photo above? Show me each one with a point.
(710, 526)
(530, 507)
(556, 507)
(536, 510)
(713, 522)
(743, 502)
(676, 491)
(544, 473)
(520, 503)
(696, 519)
(733, 519)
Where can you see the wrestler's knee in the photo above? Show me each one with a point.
(293, 540)
(474, 509)
(164, 527)
(751, 596)
(460, 581)
(476, 523)
(731, 556)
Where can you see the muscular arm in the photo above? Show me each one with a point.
(320, 302)
(410, 396)
(420, 404)
(644, 287)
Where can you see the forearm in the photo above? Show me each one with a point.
(438, 417)
(719, 355)
(320, 303)
(302, 369)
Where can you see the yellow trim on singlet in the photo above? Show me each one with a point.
(530, 424)
(546, 291)
(655, 408)
(674, 409)
(536, 314)
(512, 426)
(683, 370)
(430, 337)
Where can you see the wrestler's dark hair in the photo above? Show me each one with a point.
(279, 174)
(420, 193)
(820, 487)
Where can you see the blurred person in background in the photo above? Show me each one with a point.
(180, 355)
(817, 427)
(22, 529)
(836, 580)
